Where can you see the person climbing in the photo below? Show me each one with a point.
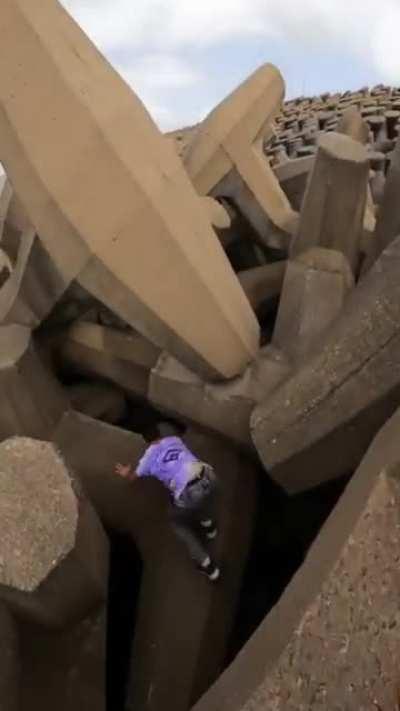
(192, 486)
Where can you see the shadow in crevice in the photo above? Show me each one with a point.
(126, 567)
(285, 528)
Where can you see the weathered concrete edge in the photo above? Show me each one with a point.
(258, 657)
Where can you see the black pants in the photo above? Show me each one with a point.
(194, 512)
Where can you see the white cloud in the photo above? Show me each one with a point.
(159, 71)
(363, 25)
(164, 32)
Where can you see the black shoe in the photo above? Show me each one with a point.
(210, 570)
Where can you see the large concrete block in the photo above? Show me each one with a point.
(66, 670)
(34, 286)
(225, 156)
(109, 196)
(388, 222)
(223, 408)
(319, 423)
(10, 677)
(332, 639)
(293, 176)
(168, 635)
(124, 358)
(316, 286)
(334, 204)
(32, 401)
(5, 199)
(54, 553)
(101, 401)
(263, 283)
(120, 507)
(16, 215)
(353, 125)
(5, 267)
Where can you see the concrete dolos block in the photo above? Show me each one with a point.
(292, 176)
(223, 408)
(99, 400)
(109, 196)
(5, 199)
(315, 288)
(123, 358)
(225, 156)
(34, 285)
(319, 423)
(353, 125)
(332, 641)
(263, 284)
(32, 401)
(54, 553)
(388, 222)
(333, 209)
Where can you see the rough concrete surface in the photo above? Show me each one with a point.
(332, 640)
(53, 549)
(319, 423)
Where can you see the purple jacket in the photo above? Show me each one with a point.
(169, 461)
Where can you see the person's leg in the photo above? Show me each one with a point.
(183, 519)
(206, 511)
(187, 535)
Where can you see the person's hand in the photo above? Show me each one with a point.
(124, 471)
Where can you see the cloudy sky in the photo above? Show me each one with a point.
(183, 56)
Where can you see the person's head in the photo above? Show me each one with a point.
(167, 429)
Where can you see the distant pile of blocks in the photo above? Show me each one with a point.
(249, 288)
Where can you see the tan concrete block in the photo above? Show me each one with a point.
(98, 400)
(223, 408)
(109, 196)
(318, 425)
(32, 401)
(388, 222)
(353, 125)
(332, 639)
(123, 358)
(53, 549)
(316, 286)
(16, 215)
(263, 283)
(293, 176)
(34, 286)
(334, 204)
(5, 267)
(5, 199)
(219, 217)
(225, 156)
